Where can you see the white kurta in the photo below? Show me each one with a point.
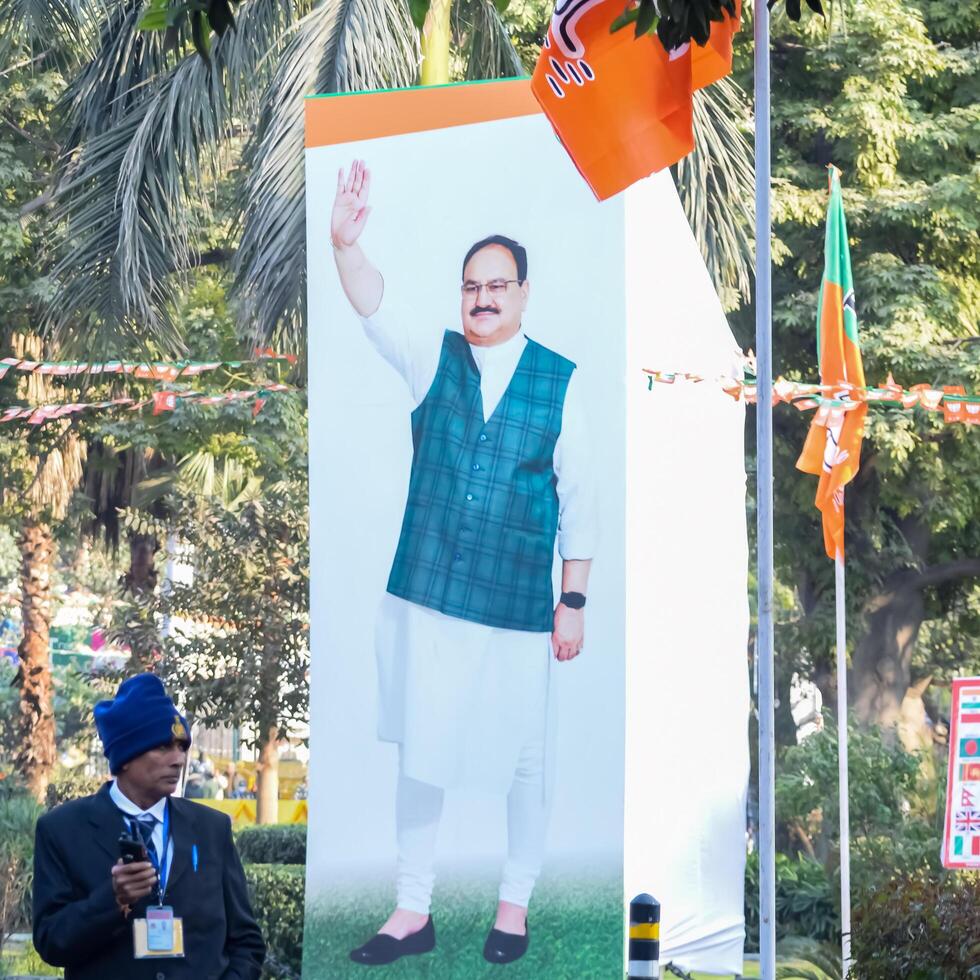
(463, 698)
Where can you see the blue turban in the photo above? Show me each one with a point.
(139, 718)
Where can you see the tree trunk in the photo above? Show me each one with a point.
(436, 36)
(881, 670)
(37, 753)
(267, 788)
(916, 733)
(267, 777)
(139, 582)
(825, 678)
(142, 574)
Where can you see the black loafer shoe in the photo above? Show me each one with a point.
(381, 949)
(505, 947)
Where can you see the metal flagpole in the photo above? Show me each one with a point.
(764, 639)
(845, 832)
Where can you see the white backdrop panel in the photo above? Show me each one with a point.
(687, 701)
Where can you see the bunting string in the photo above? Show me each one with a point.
(831, 401)
(162, 401)
(143, 370)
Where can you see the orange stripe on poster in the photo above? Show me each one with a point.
(369, 115)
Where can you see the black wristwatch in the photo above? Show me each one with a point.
(573, 600)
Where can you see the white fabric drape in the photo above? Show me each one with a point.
(687, 688)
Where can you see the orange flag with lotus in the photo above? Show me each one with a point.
(621, 105)
(833, 445)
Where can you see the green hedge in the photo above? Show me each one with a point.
(278, 894)
(279, 843)
(71, 784)
(806, 902)
(921, 927)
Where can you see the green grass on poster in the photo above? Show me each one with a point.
(576, 932)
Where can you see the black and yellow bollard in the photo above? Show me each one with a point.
(644, 952)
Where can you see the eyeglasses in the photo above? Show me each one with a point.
(495, 287)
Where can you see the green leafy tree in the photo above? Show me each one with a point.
(894, 825)
(134, 461)
(888, 92)
(232, 643)
(238, 649)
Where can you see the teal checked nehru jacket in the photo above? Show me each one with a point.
(478, 537)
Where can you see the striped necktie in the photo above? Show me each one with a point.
(146, 823)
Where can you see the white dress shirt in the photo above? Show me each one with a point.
(157, 811)
(413, 350)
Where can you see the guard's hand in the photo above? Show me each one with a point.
(131, 882)
(350, 210)
(569, 632)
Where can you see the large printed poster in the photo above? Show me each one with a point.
(467, 405)
(494, 773)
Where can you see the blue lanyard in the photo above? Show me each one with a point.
(160, 863)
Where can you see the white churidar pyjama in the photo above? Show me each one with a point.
(418, 809)
(471, 707)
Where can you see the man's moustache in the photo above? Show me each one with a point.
(483, 309)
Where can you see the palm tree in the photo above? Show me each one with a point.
(151, 135)
(38, 485)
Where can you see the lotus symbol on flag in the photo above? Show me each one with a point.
(567, 15)
(563, 29)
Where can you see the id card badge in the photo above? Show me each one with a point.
(160, 934)
(160, 929)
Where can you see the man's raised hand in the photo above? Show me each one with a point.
(350, 210)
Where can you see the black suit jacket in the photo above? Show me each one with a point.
(78, 925)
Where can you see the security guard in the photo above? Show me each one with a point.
(184, 913)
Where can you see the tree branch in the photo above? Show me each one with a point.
(24, 64)
(39, 202)
(796, 829)
(949, 571)
(46, 145)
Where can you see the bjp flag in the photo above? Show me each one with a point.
(621, 105)
(833, 446)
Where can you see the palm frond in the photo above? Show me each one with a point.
(484, 41)
(50, 26)
(340, 46)
(716, 184)
(147, 144)
(226, 480)
(121, 64)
